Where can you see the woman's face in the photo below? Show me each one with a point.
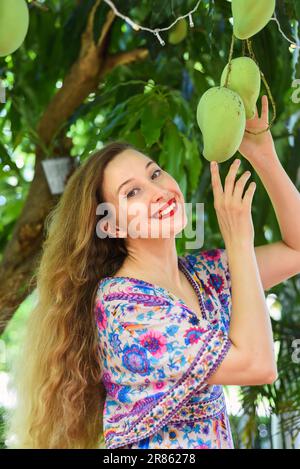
(138, 188)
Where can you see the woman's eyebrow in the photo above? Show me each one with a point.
(131, 179)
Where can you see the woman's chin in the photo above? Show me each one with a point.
(166, 227)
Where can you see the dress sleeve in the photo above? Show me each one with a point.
(219, 267)
(212, 268)
(155, 358)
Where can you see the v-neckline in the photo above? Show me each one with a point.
(166, 292)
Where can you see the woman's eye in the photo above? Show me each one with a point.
(156, 171)
(128, 195)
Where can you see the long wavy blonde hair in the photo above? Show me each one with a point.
(57, 376)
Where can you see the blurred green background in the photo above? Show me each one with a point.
(70, 88)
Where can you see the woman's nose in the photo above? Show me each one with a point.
(160, 196)
(158, 200)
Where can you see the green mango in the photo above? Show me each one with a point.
(179, 32)
(251, 16)
(244, 79)
(14, 22)
(221, 117)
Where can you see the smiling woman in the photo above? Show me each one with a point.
(141, 201)
(127, 339)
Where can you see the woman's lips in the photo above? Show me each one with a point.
(170, 213)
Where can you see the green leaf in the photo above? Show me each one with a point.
(172, 153)
(136, 138)
(183, 183)
(116, 118)
(153, 118)
(180, 106)
(193, 162)
(135, 108)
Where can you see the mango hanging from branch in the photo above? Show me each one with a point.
(179, 32)
(251, 16)
(221, 117)
(244, 78)
(14, 22)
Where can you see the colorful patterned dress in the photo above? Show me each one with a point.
(157, 355)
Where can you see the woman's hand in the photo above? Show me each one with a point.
(232, 209)
(258, 148)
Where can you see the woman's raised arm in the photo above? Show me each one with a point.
(251, 358)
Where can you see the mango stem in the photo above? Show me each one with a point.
(229, 62)
(252, 55)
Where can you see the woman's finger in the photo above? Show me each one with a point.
(265, 109)
(249, 194)
(240, 185)
(216, 181)
(230, 178)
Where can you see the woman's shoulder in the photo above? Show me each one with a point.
(124, 282)
(128, 291)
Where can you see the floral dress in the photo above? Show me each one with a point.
(157, 355)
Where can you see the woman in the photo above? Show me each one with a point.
(128, 334)
(164, 332)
